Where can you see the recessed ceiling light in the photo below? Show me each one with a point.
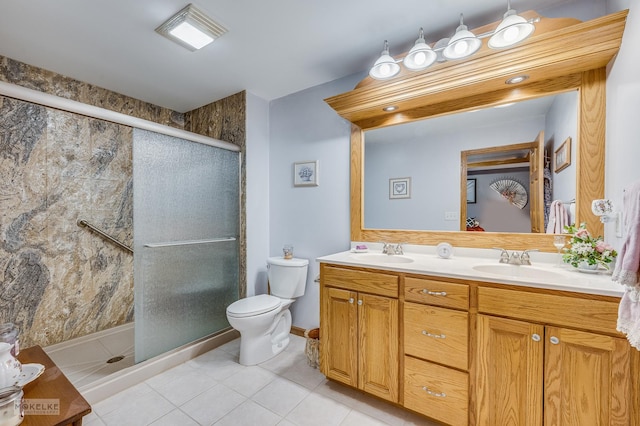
(517, 79)
(390, 108)
(191, 28)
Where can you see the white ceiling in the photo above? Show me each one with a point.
(273, 48)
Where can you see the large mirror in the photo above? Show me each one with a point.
(413, 179)
(564, 55)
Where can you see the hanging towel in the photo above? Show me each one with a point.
(627, 266)
(558, 218)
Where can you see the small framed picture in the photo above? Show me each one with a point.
(400, 188)
(305, 173)
(562, 155)
(471, 191)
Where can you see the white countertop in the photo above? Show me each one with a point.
(542, 274)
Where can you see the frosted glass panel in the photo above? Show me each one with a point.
(186, 210)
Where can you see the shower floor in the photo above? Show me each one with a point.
(84, 360)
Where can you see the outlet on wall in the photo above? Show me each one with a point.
(451, 215)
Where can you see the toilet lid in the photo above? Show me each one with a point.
(253, 305)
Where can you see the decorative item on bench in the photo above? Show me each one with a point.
(512, 191)
(587, 253)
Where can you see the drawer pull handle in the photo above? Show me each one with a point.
(434, 293)
(554, 340)
(435, 336)
(432, 393)
(359, 302)
(535, 337)
(351, 300)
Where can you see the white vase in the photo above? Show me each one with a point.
(585, 265)
(10, 367)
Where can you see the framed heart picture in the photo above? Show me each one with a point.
(400, 188)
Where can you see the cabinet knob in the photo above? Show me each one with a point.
(434, 293)
(554, 340)
(351, 300)
(535, 337)
(435, 336)
(432, 393)
(359, 302)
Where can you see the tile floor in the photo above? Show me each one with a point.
(213, 389)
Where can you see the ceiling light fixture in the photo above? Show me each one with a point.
(512, 30)
(191, 28)
(385, 67)
(420, 56)
(517, 79)
(463, 43)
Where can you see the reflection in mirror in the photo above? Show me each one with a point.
(429, 152)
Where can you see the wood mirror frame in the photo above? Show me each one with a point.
(479, 81)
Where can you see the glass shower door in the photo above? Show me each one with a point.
(186, 226)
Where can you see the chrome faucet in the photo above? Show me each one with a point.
(514, 258)
(390, 249)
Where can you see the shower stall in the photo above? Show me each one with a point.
(78, 179)
(186, 228)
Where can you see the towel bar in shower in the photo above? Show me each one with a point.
(104, 235)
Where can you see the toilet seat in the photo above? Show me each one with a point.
(254, 305)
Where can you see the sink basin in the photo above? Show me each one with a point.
(381, 258)
(517, 271)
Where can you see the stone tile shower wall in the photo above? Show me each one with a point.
(59, 281)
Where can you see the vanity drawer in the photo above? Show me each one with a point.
(364, 281)
(435, 292)
(435, 391)
(578, 312)
(436, 334)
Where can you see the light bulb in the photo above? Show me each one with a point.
(419, 58)
(385, 70)
(461, 47)
(511, 33)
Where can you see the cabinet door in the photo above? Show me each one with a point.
(587, 380)
(509, 372)
(378, 344)
(338, 331)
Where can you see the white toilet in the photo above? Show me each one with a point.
(264, 321)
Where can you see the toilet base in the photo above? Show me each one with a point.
(257, 349)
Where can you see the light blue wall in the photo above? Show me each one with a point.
(257, 167)
(315, 220)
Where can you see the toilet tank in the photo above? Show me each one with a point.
(287, 277)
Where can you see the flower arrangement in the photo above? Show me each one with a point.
(586, 249)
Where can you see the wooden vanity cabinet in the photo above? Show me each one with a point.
(436, 348)
(477, 353)
(359, 329)
(532, 370)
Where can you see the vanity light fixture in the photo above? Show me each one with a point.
(517, 79)
(191, 28)
(385, 67)
(463, 43)
(512, 30)
(421, 56)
